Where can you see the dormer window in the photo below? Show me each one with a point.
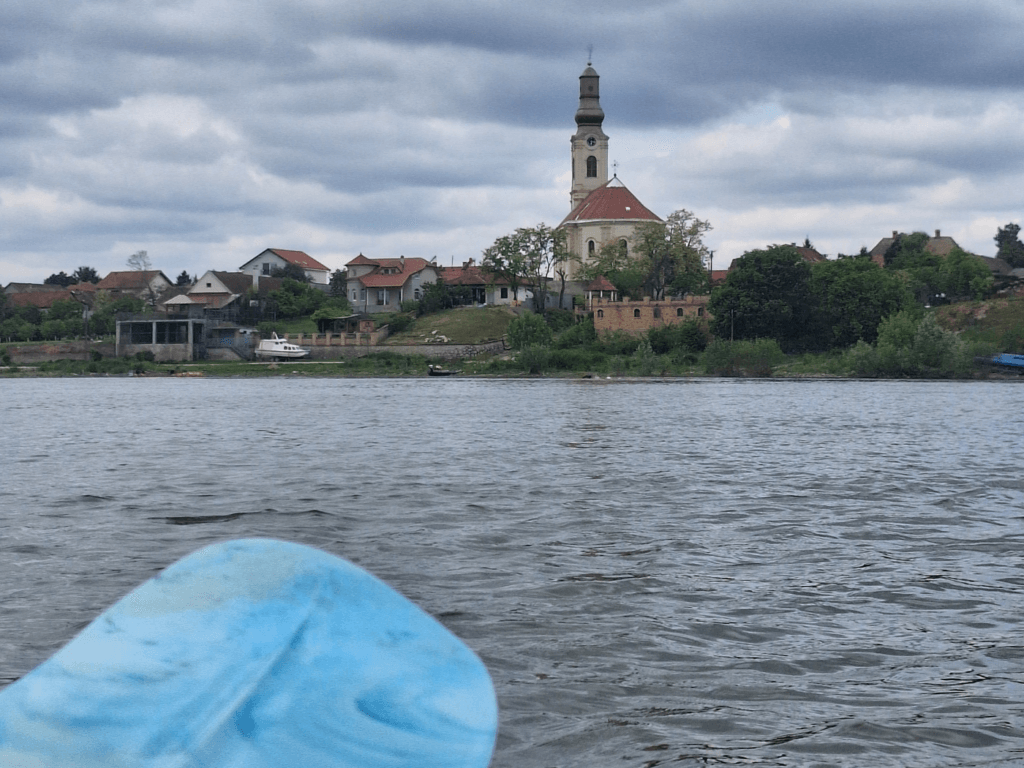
(591, 167)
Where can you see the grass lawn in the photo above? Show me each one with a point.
(465, 325)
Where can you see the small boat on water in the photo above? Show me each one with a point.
(433, 370)
(1008, 361)
(280, 349)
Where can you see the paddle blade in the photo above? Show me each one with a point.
(261, 654)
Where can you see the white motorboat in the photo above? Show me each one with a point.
(275, 348)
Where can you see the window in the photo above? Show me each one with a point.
(416, 294)
(591, 167)
(140, 333)
(266, 267)
(679, 312)
(700, 311)
(590, 247)
(624, 245)
(382, 297)
(362, 294)
(504, 293)
(209, 285)
(657, 311)
(355, 294)
(636, 313)
(600, 313)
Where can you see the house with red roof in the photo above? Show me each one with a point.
(263, 264)
(381, 285)
(143, 284)
(482, 286)
(603, 211)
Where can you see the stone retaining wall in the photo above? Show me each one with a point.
(31, 354)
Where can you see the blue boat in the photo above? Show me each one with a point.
(1009, 361)
(255, 653)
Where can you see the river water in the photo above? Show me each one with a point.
(707, 572)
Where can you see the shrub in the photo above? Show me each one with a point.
(399, 323)
(528, 330)
(146, 356)
(534, 359)
(645, 358)
(95, 355)
(742, 358)
(578, 335)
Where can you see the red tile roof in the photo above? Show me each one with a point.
(809, 254)
(601, 283)
(131, 280)
(299, 258)
(404, 269)
(40, 299)
(471, 275)
(611, 203)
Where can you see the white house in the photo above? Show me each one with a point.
(264, 263)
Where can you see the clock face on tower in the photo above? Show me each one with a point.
(591, 141)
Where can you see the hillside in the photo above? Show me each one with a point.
(465, 325)
(997, 322)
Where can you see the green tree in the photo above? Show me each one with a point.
(546, 252)
(339, 283)
(1010, 248)
(673, 254)
(86, 275)
(60, 278)
(183, 279)
(510, 258)
(851, 297)
(767, 295)
(291, 272)
(613, 261)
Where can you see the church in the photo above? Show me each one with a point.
(603, 210)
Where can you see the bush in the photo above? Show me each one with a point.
(691, 335)
(534, 359)
(742, 358)
(913, 348)
(559, 320)
(575, 360)
(618, 343)
(399, 323)
(645, 358)
(95, 355)
(528, 330)
(578, 335)
(146, 356)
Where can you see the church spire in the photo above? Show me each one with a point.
(589, 143)
(590, 112)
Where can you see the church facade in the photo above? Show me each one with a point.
(603, 210)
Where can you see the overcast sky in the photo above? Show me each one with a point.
(206, 131)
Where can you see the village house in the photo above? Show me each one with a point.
(263, 265)
(142, 284)
(381, 285)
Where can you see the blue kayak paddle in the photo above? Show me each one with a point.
(257, 654)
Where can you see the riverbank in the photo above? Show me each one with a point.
(389, 365)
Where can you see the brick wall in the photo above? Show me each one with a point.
(640, 316)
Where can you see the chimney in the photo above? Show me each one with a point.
(938, 233)
(895, 234)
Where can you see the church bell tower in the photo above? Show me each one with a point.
(589, 143)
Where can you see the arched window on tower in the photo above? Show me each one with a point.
(624, 247)
(591, 167)
(590, 247)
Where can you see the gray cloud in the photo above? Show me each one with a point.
(206, 132)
